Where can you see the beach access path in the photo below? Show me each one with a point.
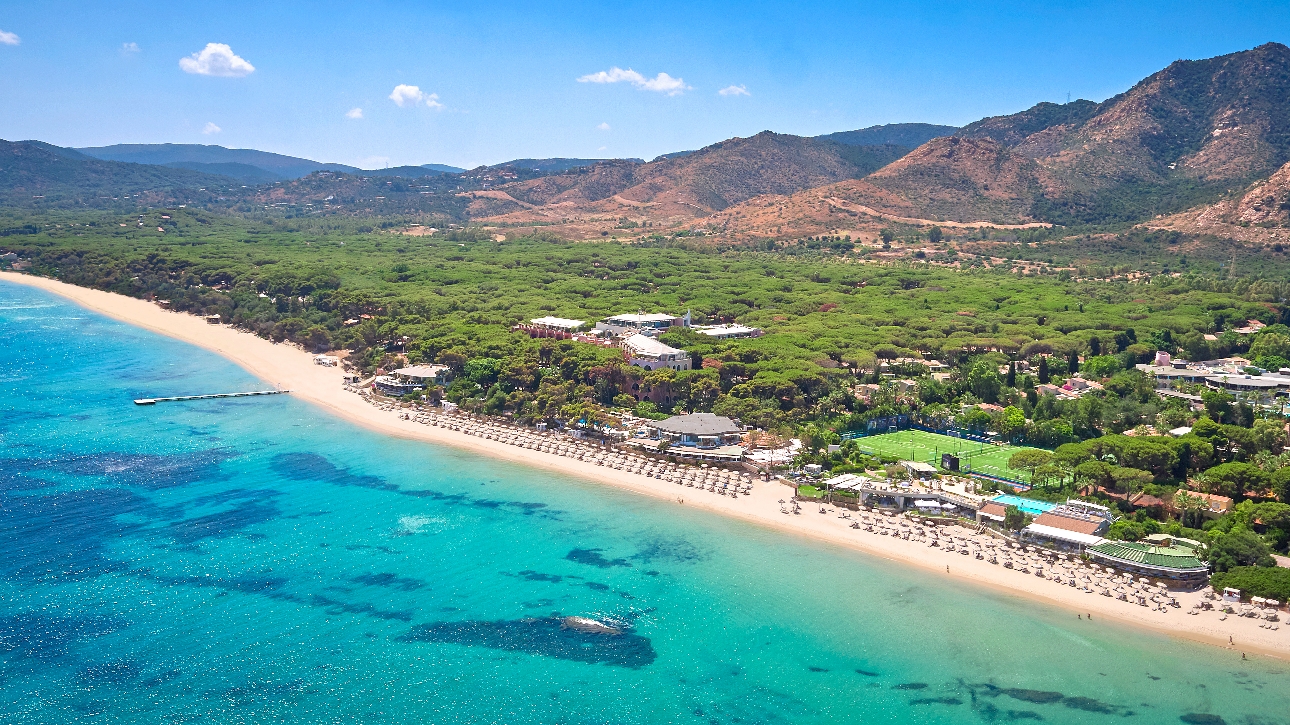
(289, 367)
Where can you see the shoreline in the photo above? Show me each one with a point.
(289, 367)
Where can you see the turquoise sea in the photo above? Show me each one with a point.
(255, 561)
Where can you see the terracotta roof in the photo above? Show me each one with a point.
(1215, 501)
(1146, 500)
(994, 509)
(1066, 523)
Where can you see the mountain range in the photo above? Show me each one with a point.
(1201, 143)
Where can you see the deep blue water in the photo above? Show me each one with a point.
(257, 561)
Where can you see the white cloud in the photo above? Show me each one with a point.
(129, 48)
(734, 91)
(210, 128)
(354, 113)
(405, 95)
(665, 83)
(613, 75)
(216, 59)
(9, 38)
(661, 83)
(602, 127)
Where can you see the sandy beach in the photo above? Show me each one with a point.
(288, 367)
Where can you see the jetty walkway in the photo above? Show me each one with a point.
(153, 401)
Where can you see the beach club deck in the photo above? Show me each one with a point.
(901, 496)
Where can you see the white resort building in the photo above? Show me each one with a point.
(413, 378)
(651, 324)
(729, 332)
(648, 353)
(558, 324)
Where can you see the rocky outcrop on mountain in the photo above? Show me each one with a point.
(1181, 134)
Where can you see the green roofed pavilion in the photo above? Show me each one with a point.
(1160, 560)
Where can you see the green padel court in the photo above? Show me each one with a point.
(917, 445)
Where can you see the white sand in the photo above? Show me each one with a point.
(289, 367)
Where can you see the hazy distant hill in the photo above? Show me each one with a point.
(407, 172)
(895, 134)
(288, 167)
(245, 173)
(40, 174)
(672, 155)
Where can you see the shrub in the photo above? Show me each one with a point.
(1257, 581)
(1238, 549)
(1101, 366)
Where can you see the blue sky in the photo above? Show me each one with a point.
(496, 81)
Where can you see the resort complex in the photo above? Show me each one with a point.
(568, 379)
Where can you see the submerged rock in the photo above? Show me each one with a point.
(589, 626)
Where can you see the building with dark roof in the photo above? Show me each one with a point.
(702, 430)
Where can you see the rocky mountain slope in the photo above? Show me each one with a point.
(1184, 135)
(688, 186)
(1261, 215)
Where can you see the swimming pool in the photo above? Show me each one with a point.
(1029, 505)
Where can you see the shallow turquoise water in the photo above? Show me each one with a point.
(255, 561)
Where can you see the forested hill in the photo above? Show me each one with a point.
(279, 165)
(39, 175)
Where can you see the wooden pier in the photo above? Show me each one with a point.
(154, 401)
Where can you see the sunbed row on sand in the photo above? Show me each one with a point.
(712, 479)
(1067, 570)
